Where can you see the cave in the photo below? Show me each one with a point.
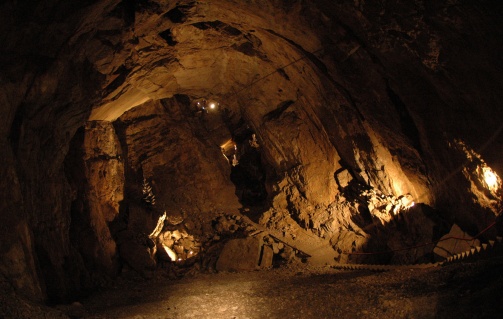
(263, 152)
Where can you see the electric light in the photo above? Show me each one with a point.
(212, 105)
(170, 252)
(490, 178)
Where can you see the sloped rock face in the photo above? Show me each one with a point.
(355, 106)
(455, 242)
(178, 151)
(422, 61)
(99, 192)
(95, 172)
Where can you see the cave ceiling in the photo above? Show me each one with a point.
(239, 55)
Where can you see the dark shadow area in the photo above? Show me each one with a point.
(249, 178)
(472, 290)
(248, 171)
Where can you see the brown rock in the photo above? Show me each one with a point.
(240, 255)
(137, 256)
(266, 257)
(343, 178)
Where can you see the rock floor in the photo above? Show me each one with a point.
(472, 290)
(463, 290)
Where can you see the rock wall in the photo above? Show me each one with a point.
(420, 66)
(177, 150)
(96, 172)
(47, 90)
(18, 263)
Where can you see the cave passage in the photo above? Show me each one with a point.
(247, 172)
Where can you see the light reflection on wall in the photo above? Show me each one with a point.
(485, 183)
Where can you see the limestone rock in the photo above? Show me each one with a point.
(240, 255)
(343, 178)
(163, 142)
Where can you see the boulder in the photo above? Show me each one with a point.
(240, 255)
(137, 257)
(455, 242)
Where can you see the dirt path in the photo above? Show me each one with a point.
(456, 291)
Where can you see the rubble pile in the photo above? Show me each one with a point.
(382, 207)
(233, 244)
(238, 245)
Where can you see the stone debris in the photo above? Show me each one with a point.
(234, 244)
(343, 178)
(179, 245)
(239, 245)
(384, 208)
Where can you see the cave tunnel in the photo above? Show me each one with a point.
(267, 148)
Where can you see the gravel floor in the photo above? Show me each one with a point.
(457, 291)
(463, 290)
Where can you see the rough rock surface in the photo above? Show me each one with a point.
(240, 255)
(178, 152)
(104, 174)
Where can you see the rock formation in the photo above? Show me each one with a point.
(344, 114)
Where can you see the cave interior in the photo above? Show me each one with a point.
(151, 136)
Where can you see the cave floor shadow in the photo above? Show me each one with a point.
(464, 290)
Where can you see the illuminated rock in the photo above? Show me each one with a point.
(102, 184)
